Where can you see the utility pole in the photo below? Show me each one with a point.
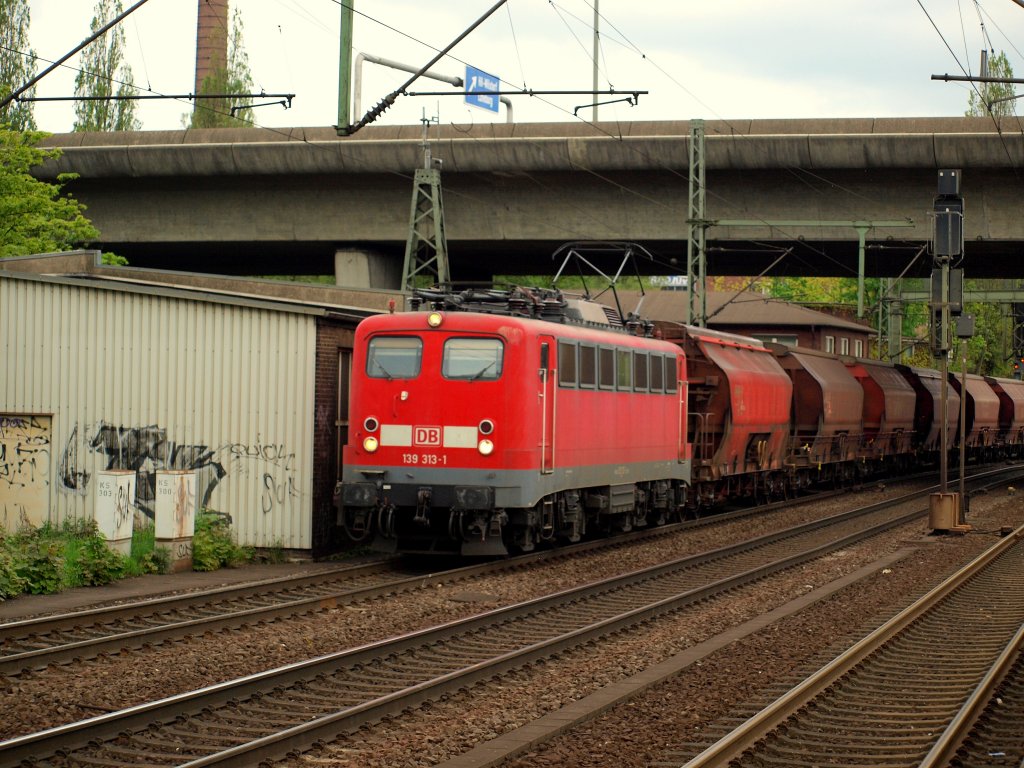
(345, 64)
(696, 250)
(597, 40)
(964, 331)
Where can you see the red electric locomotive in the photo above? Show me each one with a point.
(484, 422)
(527, 418)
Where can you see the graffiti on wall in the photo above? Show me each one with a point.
(273, 463)
(143, 450)
(147, 449)
(24, 469)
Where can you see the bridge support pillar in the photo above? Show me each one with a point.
(358, 268)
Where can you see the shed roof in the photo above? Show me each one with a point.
(83, 268)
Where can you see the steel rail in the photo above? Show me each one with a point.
(953, 737)
(755, 729)
(108, 726)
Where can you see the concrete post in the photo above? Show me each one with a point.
(356, 268)
(114, 511)
(176, 509)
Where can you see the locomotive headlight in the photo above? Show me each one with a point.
(434, 319)
(486, 427)
(370, 444)
(486, 447)
(371, 424)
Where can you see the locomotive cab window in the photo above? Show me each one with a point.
(588, 366)
(472, 359)
(394, 357)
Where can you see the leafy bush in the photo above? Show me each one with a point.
(74, 554)
(88, 561)
(213, 546)
(39, 562)
(11, 583)
(98, 564)
(157, 560)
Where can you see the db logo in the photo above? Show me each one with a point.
(426, 436)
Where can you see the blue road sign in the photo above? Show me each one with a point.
(477, 80)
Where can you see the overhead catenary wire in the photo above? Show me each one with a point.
(999, 130)
(373, 113)
(625, 187)
(98, 33)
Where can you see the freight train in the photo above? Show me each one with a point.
(485, 422)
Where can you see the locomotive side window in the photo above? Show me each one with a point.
(394, 357)
(623, 369)
(640, 371)
(588, 366)
(566, 364)
(606, 371)
(472, 359)
(657, 373)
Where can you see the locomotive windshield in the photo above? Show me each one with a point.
(472, 359)
(394, 357)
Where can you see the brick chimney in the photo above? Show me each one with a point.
(211, 38)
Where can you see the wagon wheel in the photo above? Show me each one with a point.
(760, 493)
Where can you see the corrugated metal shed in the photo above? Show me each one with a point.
(97, 376)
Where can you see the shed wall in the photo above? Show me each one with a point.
(133, 380)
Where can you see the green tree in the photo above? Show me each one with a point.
(36, 217)
(103, 74)
(993, 98)
(233, 78)
(15, 63)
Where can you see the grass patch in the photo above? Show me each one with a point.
(213, 545)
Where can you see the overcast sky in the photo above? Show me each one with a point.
(712, 59)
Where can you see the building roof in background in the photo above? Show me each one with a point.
(728, 309)
(85, 268)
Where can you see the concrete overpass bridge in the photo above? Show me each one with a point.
(265, 201)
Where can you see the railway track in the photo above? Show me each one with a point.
(268, 715)
(925, 690)
(35, 643)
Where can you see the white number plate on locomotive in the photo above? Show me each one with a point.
(425, 459)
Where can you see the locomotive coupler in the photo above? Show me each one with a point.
(423, 497)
